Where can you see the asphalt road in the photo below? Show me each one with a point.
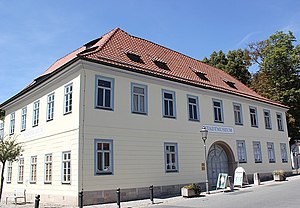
(272, 194)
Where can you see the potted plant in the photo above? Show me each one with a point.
(278, 175)
(191, 190)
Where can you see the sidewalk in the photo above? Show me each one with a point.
(157, 201)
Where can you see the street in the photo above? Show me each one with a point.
(269, 194)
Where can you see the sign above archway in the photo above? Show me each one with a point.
(219, 129)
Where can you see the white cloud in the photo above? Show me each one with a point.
(246, 38)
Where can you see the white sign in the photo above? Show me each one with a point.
(240, 177)
(219, 129)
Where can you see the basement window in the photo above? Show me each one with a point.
(230, 84)
(134, 57)
(161, 65)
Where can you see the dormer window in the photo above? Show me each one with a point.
(230, 84)
(161, 65)
(202, 76)
(134, 57)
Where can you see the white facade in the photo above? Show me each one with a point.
(137, 141)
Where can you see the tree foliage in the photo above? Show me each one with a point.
(10, 150)
(235, 62)
(278, 76)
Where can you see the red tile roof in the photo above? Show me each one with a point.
(112, 47)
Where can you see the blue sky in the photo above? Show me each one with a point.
(33, 34)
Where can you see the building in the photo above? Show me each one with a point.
(123, 112)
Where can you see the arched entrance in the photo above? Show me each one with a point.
(220, 159)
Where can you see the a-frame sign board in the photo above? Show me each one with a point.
(223, 181)
(240, 177)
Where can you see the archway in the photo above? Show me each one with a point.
(220, 159)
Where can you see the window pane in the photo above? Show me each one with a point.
(100, 165)
(107, 98)
(100, 97)
(103, 83)
(168, 95)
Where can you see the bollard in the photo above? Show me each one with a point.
(119, 198)
(37, 201)
(151, 194)
(80, 199)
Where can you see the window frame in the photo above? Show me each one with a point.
(35, 113)
(241, 151)
(195, 106)
(166, 156)
(256, 116)
(1, 130)
(280, 126)
(21, 170)
(33, 169)
(271, 151)
(50, 107)
(145, 112)
(267, 119)
(69, 167)
(238, 113)
(107, 79)
(23, 118)
(258, 152)
(68, 99)
(47, 163)
(111, 156)
(173, 100)
(284, 153)
(9, 171)
(215, 110)
(12, 123)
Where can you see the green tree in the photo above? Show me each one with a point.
(10, 150)
(236, 63)
(278, 77)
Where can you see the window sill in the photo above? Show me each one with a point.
(171, 171)
(269, 128)
(108, 173)
(173, 117)
(48, 183)
(255, 126)
(281, 130)
(239, 124)
(49, 119)
(242, 161)
(32, 182)
(20, 182)
(35, 125)
(9, 182)
(104, 108)
(23, 130)
(258, 161)
(66, 183)
(272, 161)
(66, 113)
(219, 121)
(194, 120)
(139, 113)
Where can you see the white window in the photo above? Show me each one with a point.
(257, 152)
(48, 168)
(139, 98)
(284, 156)
(68, 99)
(279, 121)
(33, 169)
(171, 157)
(1, 130)
(66, 167)
(253, 116)
(267, 118)
(23, 118)
(12, 123)
(241, 150)
(50, 107)
(104, 92)
(104, 156)
(9, 172)
(21, 170)
(237, 111)
(218, 111)
(271, 152)
(193, 109)
(36, 113)
(169, 106)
